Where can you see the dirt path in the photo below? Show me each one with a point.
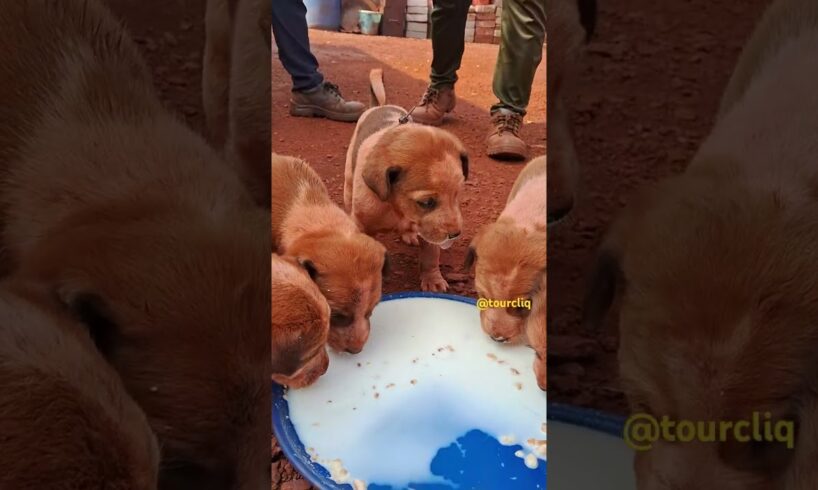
(644, 101)
(346, 60)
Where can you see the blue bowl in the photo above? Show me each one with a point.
(469, 472)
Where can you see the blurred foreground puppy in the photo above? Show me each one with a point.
(300, 325)
(407, 178)
(509, 257)
(66, 419)
(140, 231)
(570, 24)
(719, 276)
(236, 87)
(347, 265)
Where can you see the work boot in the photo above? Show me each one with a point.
(436, 102)
(504, 141)
(325, 100)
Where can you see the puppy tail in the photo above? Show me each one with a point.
(377, 91)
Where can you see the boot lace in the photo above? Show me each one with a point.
(333, 89)
(508, 123)
(430, 97)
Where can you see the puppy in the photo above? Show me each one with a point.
(236, 88)
(346, 264)
(67, 420)
(570, 24)
(407, 178)
(140, 231)
(717, 271)
(509, 258)
(300, 325)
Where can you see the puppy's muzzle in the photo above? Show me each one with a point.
(499, 339)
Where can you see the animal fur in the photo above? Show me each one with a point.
(347, 265)
(140, 231)
(717, 271)
(67, 421)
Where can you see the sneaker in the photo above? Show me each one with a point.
(325, 100)
(434, 105)
(504, 141)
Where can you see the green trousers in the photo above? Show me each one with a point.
(521, 47)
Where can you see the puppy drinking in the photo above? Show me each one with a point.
(509, 258)
(717, 270)
(300, 325)
(347, 265)
(67, 420)
(407, 178)
(141, 232)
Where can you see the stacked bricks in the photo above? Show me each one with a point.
(498, 12)
(417, 19)
(485, 23)
(470, 23)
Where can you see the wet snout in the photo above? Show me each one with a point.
(349, 336)
(500, 326)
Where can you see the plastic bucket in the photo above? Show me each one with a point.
(324, 14)
(369, 21)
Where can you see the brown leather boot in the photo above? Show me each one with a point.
(504, 141)
(434, 105)
(325, 101)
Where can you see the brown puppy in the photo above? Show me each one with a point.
(300, 325)
(67, 421)
(346, 264)
(236, 87)
(719, 272)
(407, 178)
(138, 229)
(570, 24)
(509, 257)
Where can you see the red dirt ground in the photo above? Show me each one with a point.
(346, 59)
(644, 100)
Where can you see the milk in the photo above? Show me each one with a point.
(429, 387)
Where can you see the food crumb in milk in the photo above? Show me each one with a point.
(515, 372)
(359, 485)
(390, 385)
(542, 428)
(519, 453)
(507, 440)
(531, 461)
(337, 471)
(414, 381)
(519, 386)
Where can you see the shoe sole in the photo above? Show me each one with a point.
(508, 154)
(315, 111)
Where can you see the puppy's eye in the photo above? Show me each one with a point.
(427, 204)
(340, 320)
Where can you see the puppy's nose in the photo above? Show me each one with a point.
(502, 340)
(454, 235)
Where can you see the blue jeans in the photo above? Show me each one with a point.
(292, 38)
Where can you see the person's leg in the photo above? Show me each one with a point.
(312, 95)
(289, 22)
(448, 25)
(521, 46)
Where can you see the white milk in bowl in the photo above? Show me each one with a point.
(430, 400)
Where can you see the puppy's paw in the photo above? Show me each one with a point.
(433, 281)
(410, 238)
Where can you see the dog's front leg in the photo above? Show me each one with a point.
(430, 277)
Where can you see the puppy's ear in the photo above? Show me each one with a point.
(464, 164)
(382, 179)
(309, 266)
(93, 312)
